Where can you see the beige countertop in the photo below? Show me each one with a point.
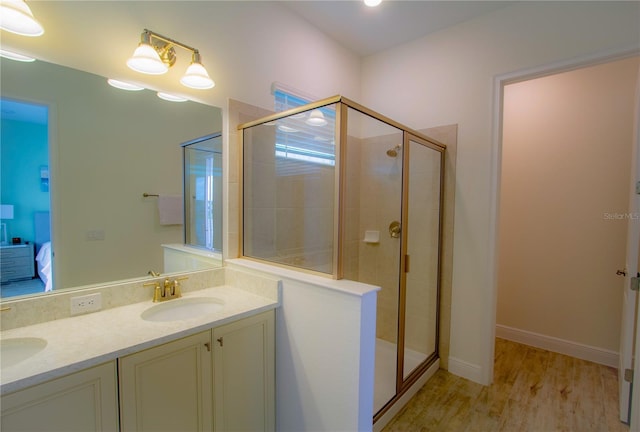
(84, 341)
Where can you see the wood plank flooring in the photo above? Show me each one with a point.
(533, 390)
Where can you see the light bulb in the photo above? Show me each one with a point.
(372, 3)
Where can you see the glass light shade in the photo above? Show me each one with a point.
(145, 59)
(124, 85)
(287, 129)
(316, 118)
(16, 17)
(170, 97)
(197, 77)
(16, 56)
(372, 3)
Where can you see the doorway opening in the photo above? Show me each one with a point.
(25, 198)
(564, 188)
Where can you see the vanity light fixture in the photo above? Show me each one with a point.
(124, 85)
(15, 56)
(156, 54)
(170, 97)
(316, 118)
(16, 17)
(372, 3)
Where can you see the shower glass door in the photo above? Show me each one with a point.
(371, 252)
(422, 222)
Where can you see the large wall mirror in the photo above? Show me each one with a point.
(77, 158)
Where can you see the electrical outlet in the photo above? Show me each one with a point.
(86, 303)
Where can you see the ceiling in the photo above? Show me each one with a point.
(365, 30)
(96, 36)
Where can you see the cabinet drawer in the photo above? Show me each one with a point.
(12, 262)
(14, 273)
(14, 252)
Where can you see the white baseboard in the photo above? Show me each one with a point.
(465, 370)
(561, 346)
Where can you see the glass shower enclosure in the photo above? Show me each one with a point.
(336, 189)
(202, 159)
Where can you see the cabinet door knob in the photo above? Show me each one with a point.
(220, 341)
(208, 346)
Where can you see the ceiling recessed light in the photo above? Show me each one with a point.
(170, 97)
(124, 85)
(372, 3)
(15, 56)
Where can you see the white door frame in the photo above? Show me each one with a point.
(635, 243)
(499, 83)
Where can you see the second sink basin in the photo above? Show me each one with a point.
(15, 350)
(183, 308)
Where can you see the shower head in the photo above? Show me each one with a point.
(394, 151)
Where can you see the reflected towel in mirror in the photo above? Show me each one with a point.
(171, 209)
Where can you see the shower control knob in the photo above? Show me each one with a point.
(394, 229)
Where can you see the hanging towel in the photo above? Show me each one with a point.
(171, 210)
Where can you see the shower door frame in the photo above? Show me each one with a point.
(402, 383)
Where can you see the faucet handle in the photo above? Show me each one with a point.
(177, 291)
(156, 292)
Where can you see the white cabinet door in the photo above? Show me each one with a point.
(83, 401)
(168, 387)
(244, 375)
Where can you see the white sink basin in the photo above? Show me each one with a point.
(182, 309)
(15, 350)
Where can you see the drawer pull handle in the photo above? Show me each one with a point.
(208, 346)
(220, 341)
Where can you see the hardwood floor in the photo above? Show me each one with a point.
(533, 390)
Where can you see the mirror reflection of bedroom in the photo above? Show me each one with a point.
(25, 246)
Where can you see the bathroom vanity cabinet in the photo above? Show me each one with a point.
(81, 401)
(223, 377)
(219, 379)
